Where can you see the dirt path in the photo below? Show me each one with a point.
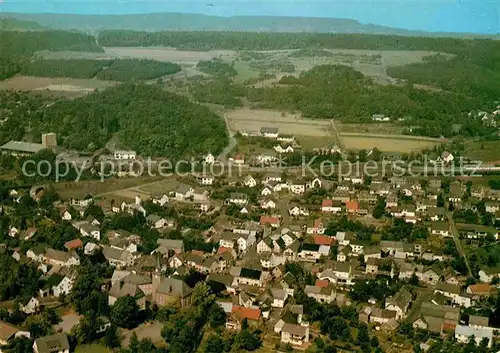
(232, 141)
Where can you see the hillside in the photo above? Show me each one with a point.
(145, 119)
(196, 22)
(7, 23)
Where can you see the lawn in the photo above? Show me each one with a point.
(92, 348)
(486, 151)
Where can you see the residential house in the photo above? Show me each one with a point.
(454, 293)
(463, 334)
(57, 343)
(272, 221)
(297, 211)
(61, 258)
(269, 132)
(440, 228)
(331, 206)
(117, 257)
(183, 191)
(316, 227)
(170, 290)
(400, 303)
(238, 199)
(436, 318)
(322, 294)
(31, 306)
(296, 335)
(249, 181)
(9, 332)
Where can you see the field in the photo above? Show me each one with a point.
(387, 143)
(487, 151)
(168, 54)
(249, 120)
(61, 86)
(379, 128)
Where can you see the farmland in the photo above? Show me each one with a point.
(487, 151)
(387, 143)
(65, 86)
(246, 119)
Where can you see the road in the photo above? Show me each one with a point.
(456, 238)
(232, 141)
(338, 140)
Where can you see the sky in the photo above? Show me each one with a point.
(472, 16)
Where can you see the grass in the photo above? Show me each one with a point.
(388, 128)
(92, 348)
(309, 143)
(385, 143)
(244, 71)
(487, 151)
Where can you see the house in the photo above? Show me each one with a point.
(280, 149)
(125, 155)
(454, 293)
(269, 132)
(322, 294)
(297, 187)
(209, 159)
(456, 192)
(331, 206)
(309, 252)
(183, 191)
(64, 286)
(400, 303)
(478, 321)
(272, 221)
(352, 206)
(249, 181)
(440, 228)
(267, 204)
(90, 249)
(251, 277)
(176, 245)
(117, 257)
(73, 245)
(89, 230)
(316, 227)
(487, 275)
(30, 306)
(57, 343)
(279, 297)
(8, 332)
(61, 258)
(296, 335)
(481, 290)
(170, 290)
(240, 313)
(265, 245)
(156, 221)
(436, 318)
(463, 334)
(238, 199)
(447, 157)
(239, 159)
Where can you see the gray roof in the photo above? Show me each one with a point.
(20, 146)
(173, 286)
(54, 343)
(171, 243)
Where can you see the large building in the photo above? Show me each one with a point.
(21, 148)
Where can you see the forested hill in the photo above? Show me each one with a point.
(145, 118)
(7, 23)
(274, 41)
(197, 22)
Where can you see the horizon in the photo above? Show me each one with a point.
(446, 16)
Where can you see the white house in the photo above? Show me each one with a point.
(238, 198)
(125, 155)
(249, 181)
(297, 211)
(331, 206)
(65, 286)
(31, 307)
(267, 204)
(464, 333)
(269, 132)
(209, 159)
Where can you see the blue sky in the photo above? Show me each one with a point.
(481, 16)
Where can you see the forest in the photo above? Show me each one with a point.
(339, 92)
(145, 118)
(216, 67)
(76, 68)
(134, 69)
(113, 70)
(18, 47)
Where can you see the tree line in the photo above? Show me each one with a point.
(113, 70)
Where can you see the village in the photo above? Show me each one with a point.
(434, 238)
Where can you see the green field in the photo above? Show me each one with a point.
(487, 151)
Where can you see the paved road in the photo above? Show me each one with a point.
(232, 141)
(456, 238)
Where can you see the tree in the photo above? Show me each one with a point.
(247, 340)
(111, 339)
(217, 316)
(214, 344)
(124, 312)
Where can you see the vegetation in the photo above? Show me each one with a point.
(221, 91)
(146, 119)
(216, 67)
(134, 69)
(77, 68)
